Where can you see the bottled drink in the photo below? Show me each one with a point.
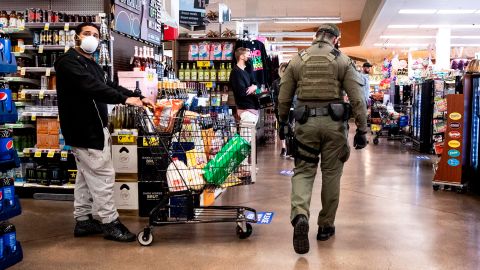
(136, 65)
(153, 64)
(221, 73)
(229, 70)
(213, 74)
(187, 73)
(193, 74)
(181, 73)
(9, 237)
(201, 74)
(12, 23)
(137, 88)
(206, 75)
(141, 58)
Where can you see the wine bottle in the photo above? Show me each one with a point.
(206, 76)
(137, 90)
(213, 74)
(181, 73)
(201, 74)
(136, 65)
(187, 73)
(221, 73)
(193, 74)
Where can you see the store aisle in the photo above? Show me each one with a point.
(389, 218)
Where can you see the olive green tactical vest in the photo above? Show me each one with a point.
(318, 79)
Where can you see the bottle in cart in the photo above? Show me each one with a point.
(137, 90)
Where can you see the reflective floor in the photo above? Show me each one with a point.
(389, 218)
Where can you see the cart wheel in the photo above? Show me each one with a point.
(375, 141)
(145, 238)
(244, 235)
(436, 187)
(404, 141)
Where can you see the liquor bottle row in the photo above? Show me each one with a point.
(207, 74)
(144, 59)
(54, 37)
(17, 19)
(198, 94)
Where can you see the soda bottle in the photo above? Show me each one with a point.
(9, 237)
(2, 248)
(8, 192)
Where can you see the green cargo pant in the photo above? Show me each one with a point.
(329, 139)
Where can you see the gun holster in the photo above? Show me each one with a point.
(340, 111)
(301, 114)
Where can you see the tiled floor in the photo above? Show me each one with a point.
(389, 218)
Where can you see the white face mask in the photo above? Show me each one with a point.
(89, 44)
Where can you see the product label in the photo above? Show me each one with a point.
(262, 217)
(453, 162)
(455, 125)
(454, 144)
(454, 134)
(126, 139)
(10, 240)
(454, 153)
(455, 116)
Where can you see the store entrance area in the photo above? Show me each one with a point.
(389, 218)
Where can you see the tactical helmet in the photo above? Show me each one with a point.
(329, 28)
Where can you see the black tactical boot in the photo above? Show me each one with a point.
(116, 231)
(324, 233)
(87, 227)
(300, 234)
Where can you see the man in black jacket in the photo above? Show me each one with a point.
(244, 87)
(83, 94)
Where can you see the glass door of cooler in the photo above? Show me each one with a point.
(475, 124)
(416, 111)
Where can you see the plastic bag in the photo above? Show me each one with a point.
(227, 160)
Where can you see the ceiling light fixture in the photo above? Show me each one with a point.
(403, 26)
(453, 26)
(289, 19)
(291, 43)
(417, 11)
(287, 34)
(464, 45)
(456, 11)
(466, 37)
(406, 37)
(406, 45)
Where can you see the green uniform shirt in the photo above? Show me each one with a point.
(349, 78)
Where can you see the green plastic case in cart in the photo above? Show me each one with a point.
(226, 161)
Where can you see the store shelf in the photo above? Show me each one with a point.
(40, 114)
(38, 69)
(12, 259)
(37, 91)
(46, 47)
(32, 185)
(11, 212)
(15, 126)
(20, 103)
(15, 31)
(56, 25)
(23, 55)
(20, 80)
(195, 61)
(136, 39)
(206, 39)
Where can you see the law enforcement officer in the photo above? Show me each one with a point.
(318, 76)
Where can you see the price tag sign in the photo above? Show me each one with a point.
(66, 48)
(209, 84)
(38, 154)
(47, 72)
(34, 117)
(22, 71)
(22, 94)
(22, 48)
(63, 155)
(51, 153)
(126, 139)
(201, 64)
(40, 49)
(66, 27)
(46, 27)
(41, 94)
(152, 141)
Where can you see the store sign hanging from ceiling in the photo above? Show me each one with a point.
(140, 19)
(192, 12)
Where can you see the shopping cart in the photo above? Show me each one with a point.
(385, 123)
(193, 154)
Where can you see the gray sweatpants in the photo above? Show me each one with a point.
(95, 182)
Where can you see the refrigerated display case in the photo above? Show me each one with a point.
(422, 113)
(475, 133)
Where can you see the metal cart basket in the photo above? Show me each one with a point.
(192, 154)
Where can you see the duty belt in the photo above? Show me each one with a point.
(312, 112)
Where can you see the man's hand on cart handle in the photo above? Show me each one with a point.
(134, 101)
(147, 102)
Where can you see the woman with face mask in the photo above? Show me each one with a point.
(83, 94)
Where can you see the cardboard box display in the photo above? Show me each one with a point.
(235, 27)
(125, 158)
(149, 195)
(213, 28)
(125, 195)
(217, 13)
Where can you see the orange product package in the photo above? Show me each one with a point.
(165, 113)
